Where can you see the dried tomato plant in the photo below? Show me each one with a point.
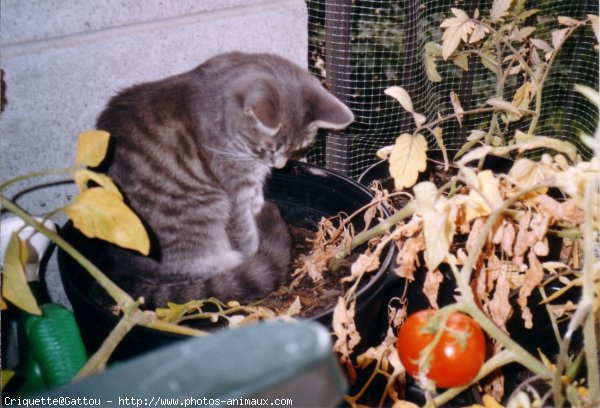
(493, 230)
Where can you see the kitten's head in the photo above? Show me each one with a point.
(280, 107)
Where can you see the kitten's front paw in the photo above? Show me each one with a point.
(231, 259)
(257, 203)
(250, 247)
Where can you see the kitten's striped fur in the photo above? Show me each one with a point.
(191, 154)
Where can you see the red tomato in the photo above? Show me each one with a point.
(457, 357)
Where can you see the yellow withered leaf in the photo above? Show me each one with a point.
(457, 30)
(407, 159)
(456, 105)
(483, 201)
(14, 284)
(92, 146)
(522, 96)
(425, 195)
(526, 142)
(400, 94)
(558, 37)
(567, 21)
(83, 176)
(528, 173)
(439, 227)
(101, 213)
(432, 51)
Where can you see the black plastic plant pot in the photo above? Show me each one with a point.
(304, 194)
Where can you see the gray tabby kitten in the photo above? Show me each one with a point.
(191, 155)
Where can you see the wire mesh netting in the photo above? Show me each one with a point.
(360, 48)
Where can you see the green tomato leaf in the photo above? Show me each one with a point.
(100, 213)
(15, 288)
(91, 148)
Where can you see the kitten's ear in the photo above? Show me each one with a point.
(261, 103)
(329, 112)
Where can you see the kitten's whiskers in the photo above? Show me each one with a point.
(230, 154)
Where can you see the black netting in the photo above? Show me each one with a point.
(360, 48)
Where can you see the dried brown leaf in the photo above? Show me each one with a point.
(295, 308)
(384, 152)
(540, 248)
(508, 238)
(475, 231)
(480, 283)
(533, 277)
(401, 95)
(366, 262)
(539, 225)
(541, 45)
(524, 239)
(561, 310)
(499, 308)
(344, 328)
(565, 211)
(408, 256)
(432, 52)
(431, 287)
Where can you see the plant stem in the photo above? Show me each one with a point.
(587, 297)
(540, 83)
(161, 325)
(23, 177)
(497, 361)
(121, 297)
(514, 52)
(520, 355)
(382, 228)
(443, 119)
(98, 361)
